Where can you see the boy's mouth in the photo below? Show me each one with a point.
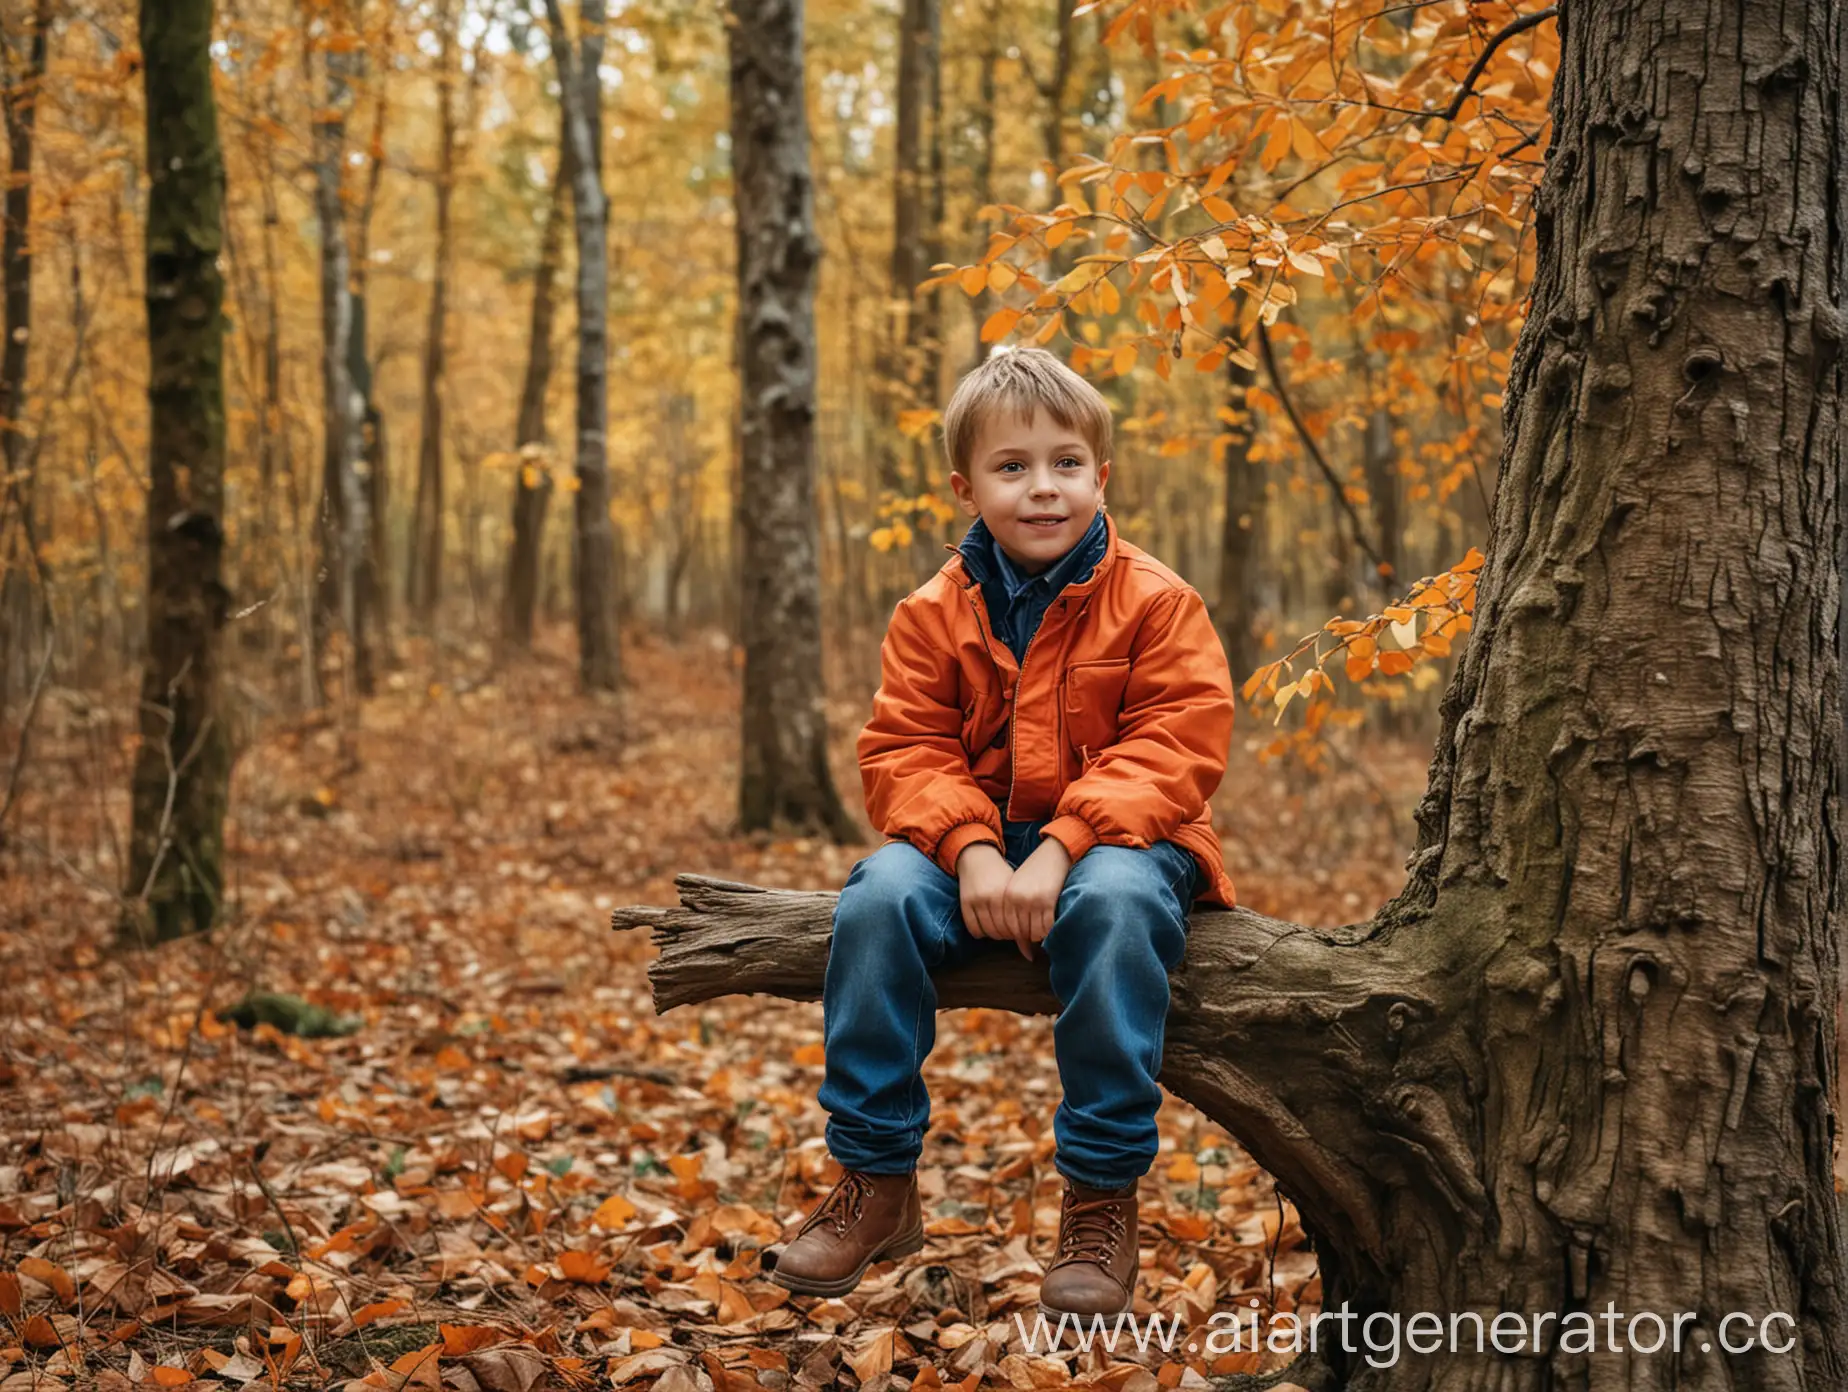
(1044, 523)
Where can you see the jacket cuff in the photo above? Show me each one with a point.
(959, 838)
(1073, 833)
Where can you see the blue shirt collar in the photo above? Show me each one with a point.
(988, 562)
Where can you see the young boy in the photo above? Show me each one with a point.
(1053, 714)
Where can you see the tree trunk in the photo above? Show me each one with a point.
(785, 779)
(903, 350)
(183, 766)
(25, 616)
(341, 526)
(982, 154)
(1241, 538)
(1580, 1066)
(374, 569)
(593, 541)
(425, 581)
(532, 492)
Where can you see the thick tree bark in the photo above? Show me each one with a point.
(593, 541)
(532, 493)
(785, 779)
(1581, 1064)
(183, 766)
(24, 604)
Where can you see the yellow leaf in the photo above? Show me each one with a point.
(1405, 633)
(614, 1212)
(973, 279)
(1124, 359)
(1001, 276)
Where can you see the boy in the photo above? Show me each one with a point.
(1053, 714)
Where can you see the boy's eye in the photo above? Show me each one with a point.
(1075, 463)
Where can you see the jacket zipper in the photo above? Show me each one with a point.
(1013, 719)
(1013, 722)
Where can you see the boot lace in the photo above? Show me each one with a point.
(1090, 1229)
(843, 1204)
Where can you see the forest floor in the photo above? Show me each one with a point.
(514, 1173)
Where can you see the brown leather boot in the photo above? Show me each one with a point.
(1095, 1271)
(864, 1218)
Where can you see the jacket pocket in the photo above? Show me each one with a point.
(976, 722)
(1093, 703)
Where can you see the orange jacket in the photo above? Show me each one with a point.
(1122, 717)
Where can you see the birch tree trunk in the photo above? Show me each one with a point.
(183, 766)
(1575, 1078)
(341, 525)
(593, 540)
(785, 757)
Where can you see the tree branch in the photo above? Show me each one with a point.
(1315, 453)
(1295, 1040)
(1517, 26)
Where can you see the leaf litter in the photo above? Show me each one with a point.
(513, 1173)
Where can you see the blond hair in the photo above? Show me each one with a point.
(1021, 379)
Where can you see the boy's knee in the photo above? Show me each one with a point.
(892, 879)
(1120, 874)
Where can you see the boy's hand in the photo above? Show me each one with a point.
(1032, 896)
(984, 875)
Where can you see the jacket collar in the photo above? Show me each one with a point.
(970, 565)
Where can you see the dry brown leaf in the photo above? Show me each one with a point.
(514, 1368)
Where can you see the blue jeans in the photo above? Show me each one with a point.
(1119, 928)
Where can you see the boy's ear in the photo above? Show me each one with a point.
(1103, 476)
(965, 494)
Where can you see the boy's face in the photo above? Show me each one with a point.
(1035, 483)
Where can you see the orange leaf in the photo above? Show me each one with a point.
(1218, 209)
(52, 1275)
(1395, 664)
(459, 1339)
(9, 1294)
(582, 1267)
(613, 1212)
(973, 279)
(377, 1310)
(811, 1055)
(999, 324)
(171, 1377)
(419, 1368)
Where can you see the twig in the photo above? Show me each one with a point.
(1315, 453)
(1518, 26)
(25, 736)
